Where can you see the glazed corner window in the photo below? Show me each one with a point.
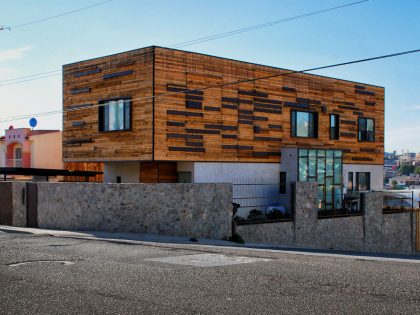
(115, 115)
(366, 129)
(362, 181)
(334, 127)
(304, 124)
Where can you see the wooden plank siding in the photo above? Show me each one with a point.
(252, 120)
(246, 122)
(128, 74)
(80, 166)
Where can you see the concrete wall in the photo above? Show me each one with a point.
(192, 210)
(46, 150)
(372, 232)
(129, 172)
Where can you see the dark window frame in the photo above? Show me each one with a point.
(293, 124)
(367, 181)
(363, 135)
(104, 106)
(335, 130)
(283, 181)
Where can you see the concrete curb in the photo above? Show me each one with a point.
(205, 244)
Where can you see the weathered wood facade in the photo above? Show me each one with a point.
(199, 113)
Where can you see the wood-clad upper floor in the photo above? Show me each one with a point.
(200, 112)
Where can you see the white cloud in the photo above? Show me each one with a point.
(14, 54)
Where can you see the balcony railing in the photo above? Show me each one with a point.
(15, 163)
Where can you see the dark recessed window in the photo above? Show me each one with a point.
(282, 182)
(115, 115)
(350, 182)
(366, 129)
(304, 124)
(334, 127)
(362, 181)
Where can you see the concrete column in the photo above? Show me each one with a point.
(306, 213)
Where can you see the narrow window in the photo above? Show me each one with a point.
(362, 181)
(282, 182)
(366, 129)
(334, 127)
(304, 124)
(115, 115)
(350, 182)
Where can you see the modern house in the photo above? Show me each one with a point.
(163, 115)
(29, 148)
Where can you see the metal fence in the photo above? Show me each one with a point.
(400, 200)
(260, 202)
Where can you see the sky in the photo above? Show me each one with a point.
(372, 28)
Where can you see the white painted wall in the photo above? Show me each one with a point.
(243, 173)
(46, 150)
(129, 172)
(376, 174)
(206, 172)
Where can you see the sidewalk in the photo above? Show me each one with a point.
(205, 244)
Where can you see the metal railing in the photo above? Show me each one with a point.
(260, 202)
(399, 201)
(351, 205)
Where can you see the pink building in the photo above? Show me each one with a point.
(33, 148)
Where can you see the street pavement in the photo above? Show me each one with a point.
(46, 274)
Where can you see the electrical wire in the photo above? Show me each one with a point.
(289, 72)
(202, 39)
(58, 15)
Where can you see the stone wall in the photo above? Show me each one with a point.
(13, 203)
(19, 194)
(192, 210)
(372, 232)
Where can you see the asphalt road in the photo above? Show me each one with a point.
(51, 275)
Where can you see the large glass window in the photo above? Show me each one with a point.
(366, 129)
(334, 127)
(362, 181)
(325, 168)
(304, 124)
(115, 115)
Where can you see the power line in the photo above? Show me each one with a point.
(225, 84)
(204, 39)
(58, 15)
(255, 27)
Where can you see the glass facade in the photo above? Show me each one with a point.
(324, 167)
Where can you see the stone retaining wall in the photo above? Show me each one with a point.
(13, 203)
(192, 210)
(371, 232)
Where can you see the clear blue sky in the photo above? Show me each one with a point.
(369, 29)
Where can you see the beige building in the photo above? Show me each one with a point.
(28, 148)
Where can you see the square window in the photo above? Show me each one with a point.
(115, 115)
(304, 124)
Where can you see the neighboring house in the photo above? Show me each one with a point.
(2, 152)
(33, 148)
(405, 180)
(163, 115)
